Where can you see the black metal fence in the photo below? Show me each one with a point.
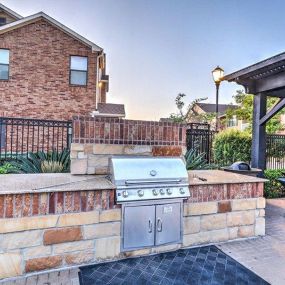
(200, 137)
(19, 136)
(275, 151)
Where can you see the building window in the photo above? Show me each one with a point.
(232, 122)
(78, 70)
(3, 21)
(4, 64)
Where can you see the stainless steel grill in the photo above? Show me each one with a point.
(149, 178)
(151, 191)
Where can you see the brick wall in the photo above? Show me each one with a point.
(39, 74)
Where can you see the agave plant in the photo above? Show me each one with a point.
(195, 160)
(44, 162)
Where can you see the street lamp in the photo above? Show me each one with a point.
(218, 74)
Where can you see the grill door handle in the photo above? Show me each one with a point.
(149, 226)
(159, 225)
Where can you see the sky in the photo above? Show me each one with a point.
(159, 48)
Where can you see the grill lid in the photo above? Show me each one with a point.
(127, 171)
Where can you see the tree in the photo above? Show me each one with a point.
(189, 115)
(245, 111)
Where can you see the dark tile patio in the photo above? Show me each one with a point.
(203, 265)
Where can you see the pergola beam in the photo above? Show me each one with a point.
(273, 111)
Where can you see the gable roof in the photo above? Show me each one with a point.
(109, 109)
(10, 12)
(211, 108)
(41, 15)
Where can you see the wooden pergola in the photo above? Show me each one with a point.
(265, 78)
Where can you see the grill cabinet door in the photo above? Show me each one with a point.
(139, 226)
(168, 223)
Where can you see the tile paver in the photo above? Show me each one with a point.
(264, 255)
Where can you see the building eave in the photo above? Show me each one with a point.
(41, 15)
(10, 12)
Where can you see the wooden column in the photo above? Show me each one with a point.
(258, 149)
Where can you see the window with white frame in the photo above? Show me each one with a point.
(4, 64)
(78, 70)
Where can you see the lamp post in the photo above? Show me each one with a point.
(218, 74)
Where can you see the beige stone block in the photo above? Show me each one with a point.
(138, 149)
(27, 223)
(261, 213)
(73, 154)
(260, 226)
(21, 240)
(81, 155)
(98, 160)
(194, 209)
(91, 170)
(78, 166)
(102, 170)
(213, 222)
(102, 230)
(191, 225)
(108, 149)
(246, 231)
(80, 257)
(107, 247)
(73, 246)
(194, 239)
(139, 252)
(88, 148)
(219, 235)
(37, 251)
(240, 218)
(77, 147)
(110, 215)
(10, 265)
(76, 219)
(261, 203)
(233, 233)
(242, 204)
(165, 248)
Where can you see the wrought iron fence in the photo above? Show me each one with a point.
(19, 136)
(200, 137)
(275, 151)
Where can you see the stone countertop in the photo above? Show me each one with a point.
(220, 177)
(51, 182)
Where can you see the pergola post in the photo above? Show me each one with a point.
(258, 149)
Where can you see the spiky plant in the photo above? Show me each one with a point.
(44, 162)
(194, 160)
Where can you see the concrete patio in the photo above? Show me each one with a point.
(265, 255)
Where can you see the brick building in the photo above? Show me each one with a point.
(48, 71)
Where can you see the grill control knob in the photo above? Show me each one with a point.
(169, 191)
(181, 190)
(155, 192)
(140, 193)
(125, 194)
(162, 191)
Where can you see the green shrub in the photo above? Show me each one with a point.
(230, 146)
(273, 188)
(7, 168)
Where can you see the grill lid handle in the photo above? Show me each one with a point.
(132, 182)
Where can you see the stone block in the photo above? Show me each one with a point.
(195, 209)
(98, 160)
(233, 233)
(73, 154)
(77, 147)
(108, 149)
(219, 235)
(88, 148)
(260, 226)
(28, 223)
(77, 219)
(80, 257)
(213, 222)
(102, 170)
(21, 240)
(191, 225)
(224, 206)
(261, 213)
(165, 248)
(242, 204)
(10, 264)
(261, 203)
(246, 231)
(110, 215)
(54, 236)
(166, 150)
(107, 247)
(81, 155)
(194, 239)
(240, 218)
(36, 251)
(43, 263)
(138, 149)
(78, 166)
(139, 252)
(102, 230)
(73, 246)
(91, 170)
